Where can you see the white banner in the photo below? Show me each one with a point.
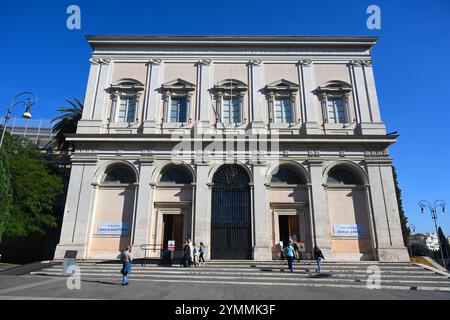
(113, 228)
(348, 230)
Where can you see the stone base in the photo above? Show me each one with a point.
(393, 255)
(262, 253)
(149, 127)
(62, 248)
(311, 128)
(369, 128)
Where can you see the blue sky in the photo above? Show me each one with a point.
(412, 62)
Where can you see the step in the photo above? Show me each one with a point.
(311, 281)
(296, 273)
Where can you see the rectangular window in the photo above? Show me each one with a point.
(178, 109)
(127, 109)
(231, 110)
(283, 110)
(336, 110)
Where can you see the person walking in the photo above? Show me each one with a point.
(126, 260)
(196, 255)
(296, 251)
(186, 254)
(289, 253)
(319, 257)
(202, 251)
(191, 248)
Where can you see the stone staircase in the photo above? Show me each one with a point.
(400, 276)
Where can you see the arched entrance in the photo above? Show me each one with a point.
(231, 214)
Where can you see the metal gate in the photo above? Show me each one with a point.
(231, 214)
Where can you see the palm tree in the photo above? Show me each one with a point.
(67, 123)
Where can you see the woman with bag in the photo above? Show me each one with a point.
(319, 257)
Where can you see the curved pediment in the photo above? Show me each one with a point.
(129, 84)
(335, 85)
(230, 84)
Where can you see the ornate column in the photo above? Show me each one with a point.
(202, 217)
(96, 100)
(256, 99)
(386, 217)
(319, 209)
(307, 80)
(152, 96)
(204, 83)
(78, 209)
(369, 117)
(261, 213)
(144, 209)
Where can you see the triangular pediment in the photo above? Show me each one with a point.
(282, 83)
(178, 84)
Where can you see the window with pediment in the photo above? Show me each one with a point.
(229, 95)
(125, 100)
(177, 96)
(282, 103)
(334, 97)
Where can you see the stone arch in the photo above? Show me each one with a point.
(161, 167)
(291, 164)
(103, 168)
(216, 167)
(353, 167)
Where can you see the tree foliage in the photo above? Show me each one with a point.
(403, 218)
(34, 189)
(67, 123)
(5, 192)
(444, 243)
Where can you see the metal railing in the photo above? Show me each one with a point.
(38, 131)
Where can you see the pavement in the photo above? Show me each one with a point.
(226, 281)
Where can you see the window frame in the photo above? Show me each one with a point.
(335, 90)
(283, 89)
(125, 88)
(229, 89)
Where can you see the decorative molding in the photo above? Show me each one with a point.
(155, 61)
(204, 62)
(361, 63)
(255, 62)
(99, 61)
(305, 63)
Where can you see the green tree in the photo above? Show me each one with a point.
(403, 218)
(419, 250)
(34, 190)
(444, 243)
(67, 123)
(5, 192)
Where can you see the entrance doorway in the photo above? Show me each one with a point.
(289, 228)
(231, 214)
(172, 230)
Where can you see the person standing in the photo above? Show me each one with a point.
(126, 259)
(191, 248)
(186, 254)
(202, 251)
(289, 253)
(319, 257)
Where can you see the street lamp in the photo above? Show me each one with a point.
(412, 230)
(433, 208)
(26, 98)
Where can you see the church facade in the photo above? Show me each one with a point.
(239, 142)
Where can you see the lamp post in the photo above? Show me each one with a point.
(433, 208)
(26, 98)
(412, 230)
